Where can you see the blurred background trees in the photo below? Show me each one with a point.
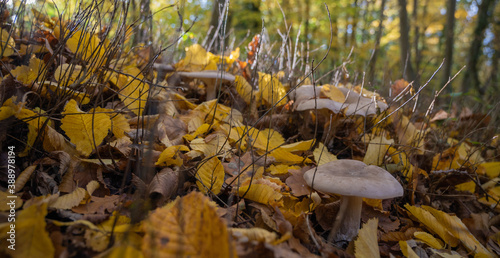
(378, 40)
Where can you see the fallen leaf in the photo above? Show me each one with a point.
(428, 239)
(458, 229)
(210, 175)
(407, 250)
(81, 127)
(30, 227)
(322, 155)
(433, 224)
(367, 245)
(188, 227)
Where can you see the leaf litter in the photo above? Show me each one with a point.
(116, 165)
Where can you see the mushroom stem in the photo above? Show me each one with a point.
(348, 218)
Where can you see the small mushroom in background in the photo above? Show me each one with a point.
(354, 180)
(310, 97)
(360, 105)
(210, 78)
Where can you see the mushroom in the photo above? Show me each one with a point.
(353, 180)
(210, 78)
(360, 105)
(310, 97)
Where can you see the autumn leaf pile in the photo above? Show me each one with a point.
(208, 161)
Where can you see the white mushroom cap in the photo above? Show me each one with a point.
(354, 178)
(312, 104)
(210, 78)
(359, 105)
(354, 104)
(305, 92)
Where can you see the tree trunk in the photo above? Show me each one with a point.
(471, 77)
(307, 15)
(493, 82)
(416, 37)
(449, 41)
(354, 24)
(369, 5)
(373, 61)
(143, 13)
(404, 40)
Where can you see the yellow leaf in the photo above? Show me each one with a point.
(333, 93)
(245, 90)
(377, 148)
(6, 200)
(7, 44)
(67, 74)
(30, 227)
(322, 155)
(216, 145)
(400, 157)
(35, 121)
(367, 245)
(458, 229)
(197, 59)
(469, 186)
(54, 141)
(266, 139)
(170, 156)
(188, 228)
(86, 45)
(228, 60)
(8, 109)
(86, 131)
(448, 159)
(123, 251)
(97, 237)
(181, 102)
(199, 131)
(132, 91)
(119, 123)
(280, 169)
(272, 90)
(375, 203)
(24, 177)
(213, 110)
(261, 193)
(285, 157)
(194, 123)
(254, 234)
(407, 250)
(53, 90)
(299, 146)
(70, 200)
(92, 186)
(429, 240)
(408, 133)
(210, 175)
(492, 169)
(433, 224)
(28, 74)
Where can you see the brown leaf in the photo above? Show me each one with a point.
(326, 213)
(164, 183)
(98, 205)
(170, 130)
(297, 183)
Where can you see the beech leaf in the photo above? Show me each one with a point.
(189, 226)
(367, 245)
(85, 130)
(210, 175)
